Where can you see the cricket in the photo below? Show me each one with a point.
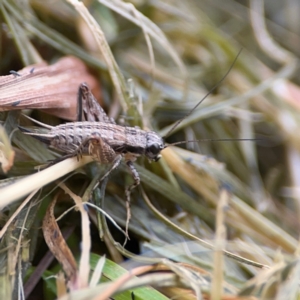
(97, 135)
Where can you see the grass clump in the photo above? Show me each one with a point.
(219, 219)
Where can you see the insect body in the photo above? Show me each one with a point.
(100, 137)
(73, 138)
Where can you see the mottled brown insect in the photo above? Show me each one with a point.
(98, 135)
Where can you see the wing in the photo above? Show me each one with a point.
(88, 107)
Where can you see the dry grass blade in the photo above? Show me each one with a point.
(7, 224)
(159, 280)
(263, 37)
(26, 49)
(193, 237)
(61, 285)
(126, 10)
(220, 240)
(209, 187)
(24, 186)
(7, 154)
(98, 272)
(84, 264)
(115, 73)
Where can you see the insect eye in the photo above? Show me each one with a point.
(154, 148)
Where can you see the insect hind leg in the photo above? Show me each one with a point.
(78, 152)
(80, 116)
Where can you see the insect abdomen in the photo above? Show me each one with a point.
(67, 137)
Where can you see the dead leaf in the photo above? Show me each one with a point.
(58, 245)
(53, 88)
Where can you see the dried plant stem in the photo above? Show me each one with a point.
(17, 211)
(201, 241)
(26, 185)
(84, 264)
(220, 241)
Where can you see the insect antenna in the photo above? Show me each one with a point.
(211, 140)
(210, 91)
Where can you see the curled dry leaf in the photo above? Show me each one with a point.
(57, 244)
(7, 154)
(52, 88)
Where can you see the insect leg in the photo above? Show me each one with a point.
(136, 178)
(78, 152)
(80, 105)
(90, 108)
